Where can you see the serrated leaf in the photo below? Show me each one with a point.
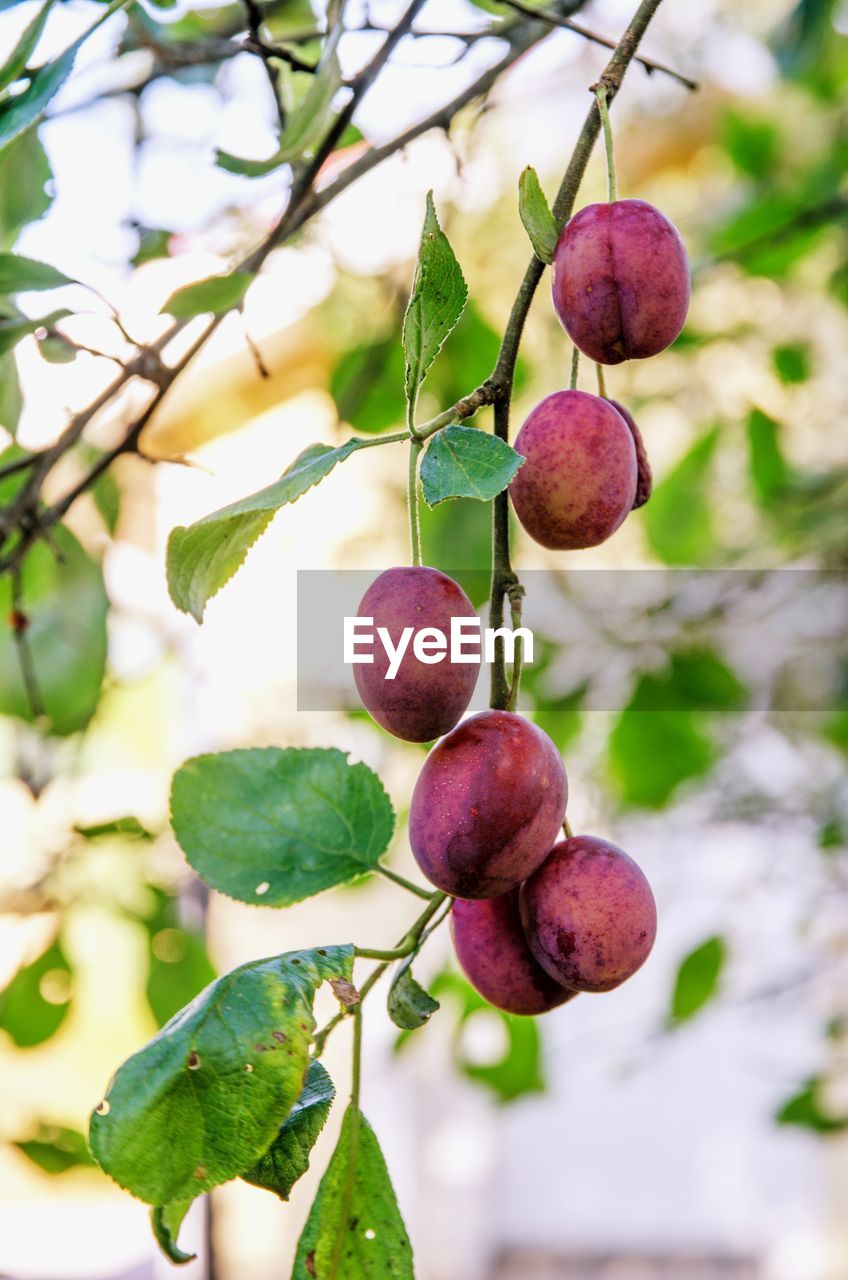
(439, 295)
(25, 275)
(36, 1002)
(697, 979)
(205, 555)
(204, 1099)
(166, 1221)
(536, 216)
(216, 295)
(14, 328)
(56, 1149)
(463, 462)
(16, 63)
(409, 1005)
(272, 827)
(354, 1230)
(287, 1158)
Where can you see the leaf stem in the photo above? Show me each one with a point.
(575, 365)
(416, 934)
(600, 91)
(417, 889)
(415, 447)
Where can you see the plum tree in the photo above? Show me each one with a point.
(578, 482)
(487, 805)
(424, 700)
(588, 914)
(493, 953)
(644, 475)
(620, 281)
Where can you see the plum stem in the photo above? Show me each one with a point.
(415, 447)
(575, 365)
(417, 889)
(602, 382)
(600, 92)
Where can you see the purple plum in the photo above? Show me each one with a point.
(424, 699)
(578, 482)
(588, 914)
(494, 956)
(487, 805)
(620, 281)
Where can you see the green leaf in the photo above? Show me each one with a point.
(14, 328)
(463, 462)
(107, 499)
(806, 1110)
(153, 243)
(25, 275)
(409, 1005)
(204, 1099)
(518, 1071)
(792, 362)
(215, 295)
(204, 556)
(19, 111)
(65, 606)
(178, 962)
(55, 1149)
(536, 215)
(354, 1230)
(166, 1221)
(305, 126)
(36, 1002)
(272, 827)
(128, 826)
(287, 1158)
(652, 752)
(439, 294)
(678, 519)
(11, 396)
(24, 175)
(16, 63)
(367, 386)
(752, 144)
(698, 978)
(767, 466)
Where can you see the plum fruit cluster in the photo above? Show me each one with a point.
(620, 284)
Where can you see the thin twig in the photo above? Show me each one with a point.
(568, 24)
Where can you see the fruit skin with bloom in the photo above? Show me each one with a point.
(620, 281)
(494, 956)
(578, 482)
(589, 915)
(644, 474)
(424, 700)
(487, 806)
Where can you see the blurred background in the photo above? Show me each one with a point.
(689, 1126)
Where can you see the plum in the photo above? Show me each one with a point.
(487, 806)
(424, 700)
(644, 475)
(495, 958)
(588, 914)
(620, 281)
(578, 482)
